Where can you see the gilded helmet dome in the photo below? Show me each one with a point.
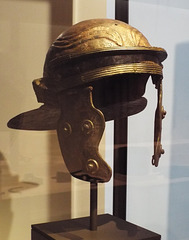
(96, 49)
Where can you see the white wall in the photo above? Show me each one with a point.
(158, 197)
(83, 9)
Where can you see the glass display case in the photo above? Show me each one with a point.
(35, 185)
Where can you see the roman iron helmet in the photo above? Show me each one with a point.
(95, 71)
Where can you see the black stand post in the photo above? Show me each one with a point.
(93, 206)
(109, 227)
(122, 10)
(120, 139)
(120, 168)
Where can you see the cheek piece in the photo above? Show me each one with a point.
(94, 72)
(79, 133)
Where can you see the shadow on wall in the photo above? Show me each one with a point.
(5, 206)
(11, 220)
(61, 17)
(179, 168)
(60, 200)
(59, 185)
(9, 185)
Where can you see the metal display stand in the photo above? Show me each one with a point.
(109, 228)
(120, 139)
(95, 227)
(93, 206)
(102, 227)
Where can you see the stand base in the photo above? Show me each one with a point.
(109, 228)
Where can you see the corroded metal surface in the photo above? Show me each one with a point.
(159, 115)
(79, 133)
(95, 49)
(116, 61)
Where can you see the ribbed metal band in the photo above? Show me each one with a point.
(142, 67)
